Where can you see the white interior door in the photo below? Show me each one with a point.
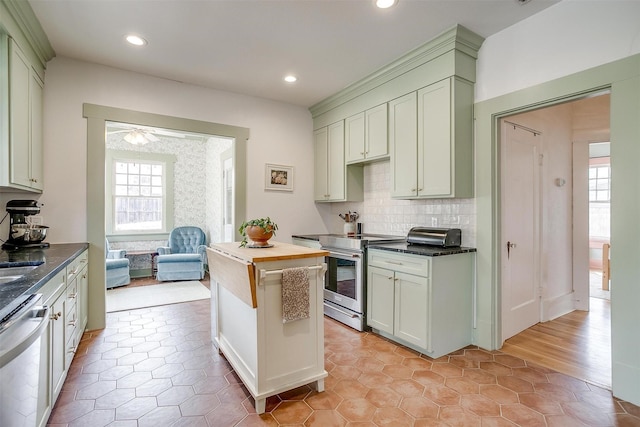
(521, 164)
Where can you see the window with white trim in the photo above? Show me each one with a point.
(141, 196)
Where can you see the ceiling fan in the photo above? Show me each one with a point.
(140, 135)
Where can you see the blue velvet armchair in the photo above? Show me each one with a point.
(184, 257)
(117, 267)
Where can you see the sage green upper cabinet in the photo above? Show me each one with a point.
(417, 112)
(334, 181)
(24, 51)
(403, 139)
(438, 161)
(366, 135)
(22, 145)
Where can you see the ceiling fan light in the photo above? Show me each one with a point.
(384, 4)
(136, 138)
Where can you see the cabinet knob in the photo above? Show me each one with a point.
(390, 278)
(56, 316)
(73, 296)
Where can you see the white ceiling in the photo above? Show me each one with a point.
(247, 46)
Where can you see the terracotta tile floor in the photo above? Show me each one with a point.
(156, 367)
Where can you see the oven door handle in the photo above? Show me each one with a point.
(343, 254)
(353, 316)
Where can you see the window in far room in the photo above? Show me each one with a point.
(599, 182)
(141, 188)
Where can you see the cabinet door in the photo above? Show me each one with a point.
(83, 300)
(354, 138)
(376, 132)
(321, 161)
(35, 96)
(45, 404)
(19, 80)
(58, 347)
(411, 309)
(380, 299)
(336, 164)
(435, 140)
(403, 143)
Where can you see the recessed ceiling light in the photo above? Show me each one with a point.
(290, 79)
(384, 4)
(136, 40)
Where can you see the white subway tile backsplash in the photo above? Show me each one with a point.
(381, 214)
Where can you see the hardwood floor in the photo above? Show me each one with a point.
(577, 344)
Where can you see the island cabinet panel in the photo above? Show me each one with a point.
(269, 355)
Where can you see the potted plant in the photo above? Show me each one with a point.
(259, 231)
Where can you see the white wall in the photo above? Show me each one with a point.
(568, 37)
(280, 134)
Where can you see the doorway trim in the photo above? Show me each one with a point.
(97, 116)
(623, 78)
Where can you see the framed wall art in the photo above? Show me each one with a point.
(278, 177)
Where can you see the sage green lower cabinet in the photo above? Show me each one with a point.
(422, 302)
(406, 317)
(66, 294)
(53, 347)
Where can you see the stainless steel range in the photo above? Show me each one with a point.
(346, 278)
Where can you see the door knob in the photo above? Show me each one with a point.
(509, 246)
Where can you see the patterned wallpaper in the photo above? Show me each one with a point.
(197, 190)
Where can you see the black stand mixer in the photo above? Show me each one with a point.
(23, 233)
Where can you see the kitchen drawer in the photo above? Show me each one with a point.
(405, 263)
(53, 288)
(71, 320)
(77, 265)
(72, 294)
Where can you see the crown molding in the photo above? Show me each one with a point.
(457, 37)
(25, 19)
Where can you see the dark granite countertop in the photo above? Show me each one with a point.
(421, 249)
(315, 237)
(55, 257)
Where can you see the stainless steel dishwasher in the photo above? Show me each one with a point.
(21, 370)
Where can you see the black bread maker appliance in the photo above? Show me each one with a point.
(23, 230)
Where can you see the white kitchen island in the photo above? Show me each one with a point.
(269, 356)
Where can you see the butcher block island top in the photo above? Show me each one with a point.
(279, 252)
(267, 315)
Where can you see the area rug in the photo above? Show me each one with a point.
(124, 298)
